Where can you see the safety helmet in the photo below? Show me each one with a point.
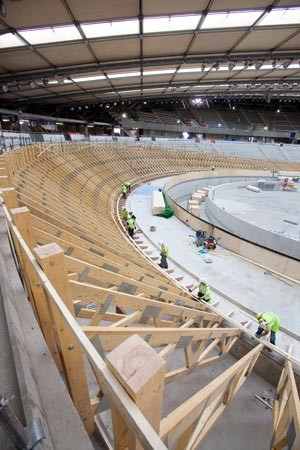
(258, 316)
(203, 280)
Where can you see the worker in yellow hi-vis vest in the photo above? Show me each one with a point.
(268, 321)
(204, 292)
(164, 253)
(124, 190)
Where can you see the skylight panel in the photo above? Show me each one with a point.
(84, 79)
(59, 82)
(126, 92)
(10, 40)
(170, 23)
(238, 67)
(124, 75)
(49, 35)
(194, 69)
(113, 28)
(153, 89)
(281, 16)
(159, 72)
(231, 19)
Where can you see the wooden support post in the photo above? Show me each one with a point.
(51, 259)
(22, 219)
(9, 196)
(4, 181)
(141, 372)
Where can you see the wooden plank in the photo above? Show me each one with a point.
(113, 336)
(22, 219)
(88, 293)
(51, 259)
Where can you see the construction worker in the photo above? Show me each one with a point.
(124, 214)
(268, 321)
(131, 224)
(164, 253)
(204, 292)
(128, 185)
(124, 190)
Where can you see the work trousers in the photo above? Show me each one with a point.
(272, 337)
(131, 232)
(163, 261)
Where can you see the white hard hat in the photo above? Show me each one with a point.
(203, 280)
(263, 325)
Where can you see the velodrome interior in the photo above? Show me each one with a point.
(101, 347)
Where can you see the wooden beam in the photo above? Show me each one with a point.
(22, 219)
(51, 259)
(113, 336)
(141, 372)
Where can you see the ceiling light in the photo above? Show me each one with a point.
(124, 115)
(278, 110)
(5, 88)
(258, 65)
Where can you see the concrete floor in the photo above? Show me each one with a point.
(269, 210)
(245, 422)
(248, 288)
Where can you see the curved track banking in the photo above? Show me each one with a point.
(237, 284)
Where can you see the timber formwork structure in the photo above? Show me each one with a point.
(105, 309)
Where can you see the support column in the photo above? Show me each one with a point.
(9, 196)
(141, 371)
(51, 259)
(22, 219)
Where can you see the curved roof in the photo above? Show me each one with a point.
(68, 51)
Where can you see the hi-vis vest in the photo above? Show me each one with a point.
(124, 213)
(164, 249)
(130, 223)
(205, 290)
(272, 321)
(124, 188)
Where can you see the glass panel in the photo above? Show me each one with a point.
(231, 19)
(116, 28)
(10, 40)
(281, 16)
(171, 23)
(53, 34)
